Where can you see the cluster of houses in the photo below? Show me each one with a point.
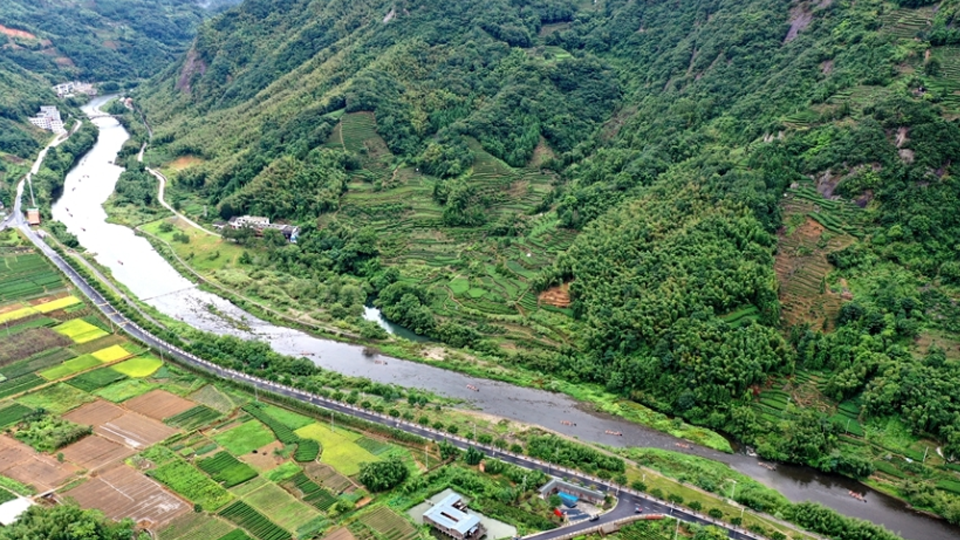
(259, 224)
(48, 119)
(72, 88)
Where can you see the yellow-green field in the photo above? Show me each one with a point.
(140, 367)
(111, 354)
(57, 399)
(79, 330)
(245, 438)
(76, 365)
(339, 447)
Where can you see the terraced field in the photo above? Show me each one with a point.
(477, 276)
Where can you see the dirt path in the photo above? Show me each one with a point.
(162, 184)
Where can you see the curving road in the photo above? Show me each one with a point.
(628, 498)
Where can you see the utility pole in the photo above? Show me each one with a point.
(426, 458)
(925, 450)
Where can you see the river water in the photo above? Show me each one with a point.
(134, 263)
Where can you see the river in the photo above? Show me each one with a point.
(133, 262)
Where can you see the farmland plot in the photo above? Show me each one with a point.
(140, 367)
(271, 500)
(94, 452)
(119, 425)
(28, 343)
(123, 492)
(388, 524)
(23, 464)
(57, 399)
(159, 404)
(194, 526)
(79, 331)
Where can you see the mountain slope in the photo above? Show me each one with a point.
(605, 192)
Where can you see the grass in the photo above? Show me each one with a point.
(245, 438)
(79, 331)
(125, 390)
(340, 449)
(56, 399)
(283, 472)
(272, 500)
(194, 526)
(140, 367)
(201, 242)
(70, 367)
(288, 418)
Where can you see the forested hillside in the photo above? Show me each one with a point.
(742, 213)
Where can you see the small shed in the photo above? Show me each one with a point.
(33, 216)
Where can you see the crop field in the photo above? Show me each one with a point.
(71, 367)
(111, 354)
(311, 493)
(118, 424)
(79, 330)
(22, 463)
(57, 399)
(123, 492)
(28, 343)
(388, 524)
(214, 398)
(288, 418)
(187, 480)
(373, 446)
(307, 450)
(99, 344)
(139, 367)
(96, 379)
(25, 275)
(226, 469)
(194, 526)
(340, 449)
(20, 384)
(159, 404)
(271, 500)
(125, 390)
(283, 433)
(254, 522)
(328, 477)
(802, 267)
(12, 413)
(245, 438)
(37, 362)
(94, 452)
(193, 417)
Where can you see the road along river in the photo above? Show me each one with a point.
(133, 262)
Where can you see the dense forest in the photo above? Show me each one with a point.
(738, 213)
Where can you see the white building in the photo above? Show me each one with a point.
(48, 119)
(71, 88)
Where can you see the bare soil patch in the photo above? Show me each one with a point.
(122, 492)
(26, 465)
(340, 534)
(183, 162)
(264, 459)
(14, 33)
(30, 342)
(159, 404)
(95, 413)
(134, 430)
(556, 296)
(94, 452)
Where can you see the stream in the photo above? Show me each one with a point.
(135, 263)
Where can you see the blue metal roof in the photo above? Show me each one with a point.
(444, 513)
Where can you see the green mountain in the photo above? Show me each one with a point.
(742, 213)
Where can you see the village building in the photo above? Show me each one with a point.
(571, 493)
(48, 119)
(450, 517)
(260, 224)
(33, 216)
(72, 88)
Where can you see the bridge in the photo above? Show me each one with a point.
(103, 115)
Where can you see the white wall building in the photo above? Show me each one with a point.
(48, 119)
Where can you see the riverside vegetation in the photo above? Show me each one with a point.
(247, 467)
(737, 213)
